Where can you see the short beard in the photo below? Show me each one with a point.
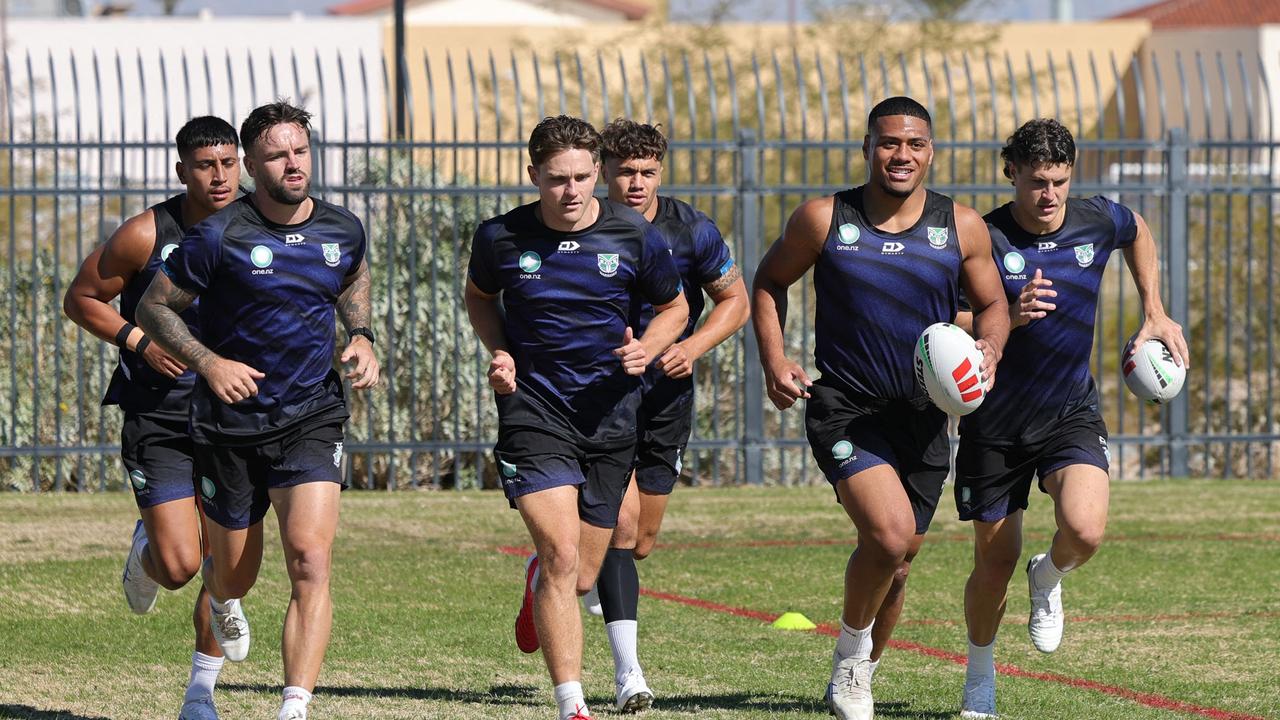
(285, 197)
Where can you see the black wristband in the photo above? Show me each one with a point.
(142, 344)
(362, 331)
(122, 337)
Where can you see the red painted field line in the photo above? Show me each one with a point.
(1149, 699)
(960, 537)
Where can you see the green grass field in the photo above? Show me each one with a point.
(1181, 609)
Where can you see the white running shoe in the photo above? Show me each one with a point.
(591, 602)
(230, 628)
(849, 692)
(292, 714)
(198, 709)
(140, 591)
(634, 694)
(1045, 623)
(979, 702)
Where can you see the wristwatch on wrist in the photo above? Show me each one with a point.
(366, 332)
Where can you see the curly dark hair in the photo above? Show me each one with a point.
(562, 132)
(629, 140)
(268, 116)
(1039, 142)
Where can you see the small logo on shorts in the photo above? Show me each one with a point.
(508, 470)
(965, 495)
(842, 450)
(207, 488)
(1106, 451)
(849, 234)
(337, 454)
(679, 461)
(138, 479)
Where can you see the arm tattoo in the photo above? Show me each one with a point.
(354, 306)
(723, 282)
(158, 315)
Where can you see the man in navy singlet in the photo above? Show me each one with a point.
(889, 258)
(552, 291)
(271, 270)
(154, 389)
(632, 164)
(1043, 420)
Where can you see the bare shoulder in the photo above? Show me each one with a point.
(811, 221)
(132, 242)
(972, 230)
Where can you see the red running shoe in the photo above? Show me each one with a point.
(526, 631)
(579, 715)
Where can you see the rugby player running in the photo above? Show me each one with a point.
(889, 259)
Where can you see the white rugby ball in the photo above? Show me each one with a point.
(948, 365)
(1150, 372)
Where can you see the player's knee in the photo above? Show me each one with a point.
(1086, 540)
(900, 575)
(624, 536)
(177, 570)
(997, 565)
(644, 546)
(886, 549)
(558, 562)
(309, 565)
(174, 563)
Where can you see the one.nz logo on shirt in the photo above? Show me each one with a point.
(848, 235)
(530, 262)
(261, 257)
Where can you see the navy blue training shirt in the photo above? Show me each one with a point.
(135, 386)
(1044, 373)
(267, 299)
(877, 291)
(569, 297)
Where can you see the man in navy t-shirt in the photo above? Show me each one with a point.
(1043, 420)
(632, 165)
(271, 270)
(553, 290)
(888, 258)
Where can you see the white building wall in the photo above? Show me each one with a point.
(508, 12)
(140, 79)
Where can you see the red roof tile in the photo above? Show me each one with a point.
(1205, 13)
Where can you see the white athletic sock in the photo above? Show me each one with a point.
(874, 664)
(854, 643)
(569, 699)
(622, 640)
(222, 607)
(982, 660)
(295, 698)
(1046, 574)
(204, 674)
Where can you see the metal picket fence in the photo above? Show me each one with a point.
(1187, 141)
